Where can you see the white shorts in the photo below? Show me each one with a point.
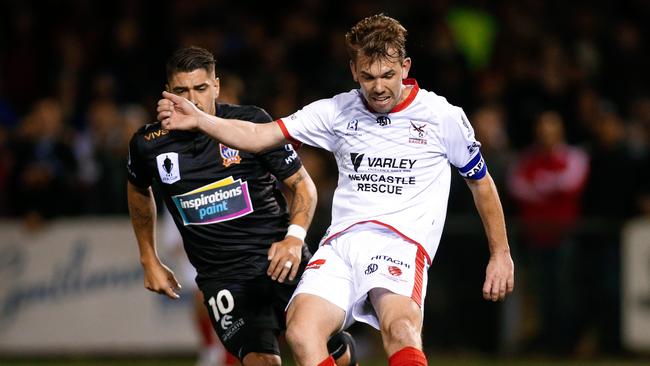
(366, 256)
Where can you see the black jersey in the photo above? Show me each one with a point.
(224, 202)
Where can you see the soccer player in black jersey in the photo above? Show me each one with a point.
(246, 245)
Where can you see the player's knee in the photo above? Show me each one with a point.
(261, 359)
(295, 335)
(401, 333)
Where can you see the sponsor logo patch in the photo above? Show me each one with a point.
(356, 160)
(395, 271)
(383, 121)
(292, 157)
(315, 264)
(222, 200)
(473, 147)
(371, 268)
(397, 262)
(155, 134)
(168, 168)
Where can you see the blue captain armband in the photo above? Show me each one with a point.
(475, 169)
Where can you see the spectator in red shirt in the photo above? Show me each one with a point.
(547, 184)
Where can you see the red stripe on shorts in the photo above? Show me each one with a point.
(419, 272)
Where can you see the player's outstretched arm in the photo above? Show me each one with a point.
(178, 113)
(142, 209)
(500, 272)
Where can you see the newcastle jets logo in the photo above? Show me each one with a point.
(356, 160)
(229, 156)
(168, 167)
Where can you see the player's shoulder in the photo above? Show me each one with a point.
(250, 113)
(347, 99)
(436, 102)
(336, 104)
(149, 132)
(440, 107)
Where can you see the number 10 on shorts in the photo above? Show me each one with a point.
(221, 305)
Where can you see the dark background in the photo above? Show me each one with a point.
(77, 78)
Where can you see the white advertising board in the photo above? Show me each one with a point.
(636, 286)
(77, 287)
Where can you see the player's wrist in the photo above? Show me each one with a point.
(296, 231)
(202, 122)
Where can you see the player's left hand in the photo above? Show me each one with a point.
(284, 259)
(499, 276)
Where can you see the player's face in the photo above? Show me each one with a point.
(198, 86)
(381, 81)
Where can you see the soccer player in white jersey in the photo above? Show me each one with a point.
(394, 144)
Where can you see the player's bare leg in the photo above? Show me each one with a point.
(311, 320)
(400, 320)
(262, 359)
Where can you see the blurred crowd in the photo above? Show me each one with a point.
(558, 94)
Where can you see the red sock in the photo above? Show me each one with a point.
(329, 361)
(207, 333)
(230, 359)
(408, 356)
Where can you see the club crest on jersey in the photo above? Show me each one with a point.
(417, 132)
(229, 156)
(168, 167)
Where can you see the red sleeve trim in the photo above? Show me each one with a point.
(287, 135)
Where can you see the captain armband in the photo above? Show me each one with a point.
(475, 169)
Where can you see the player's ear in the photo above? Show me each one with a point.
(406, 66)
(167, 88)
(353, 69)
(217, 88)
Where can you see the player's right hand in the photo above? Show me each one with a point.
(159, 278)
(177, 113)
(284, 259)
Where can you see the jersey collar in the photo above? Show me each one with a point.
(403, 104)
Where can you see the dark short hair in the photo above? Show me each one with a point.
(378, 37)
(189, 59)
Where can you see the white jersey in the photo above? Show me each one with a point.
(394, 168)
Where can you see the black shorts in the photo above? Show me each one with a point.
(248, 315)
